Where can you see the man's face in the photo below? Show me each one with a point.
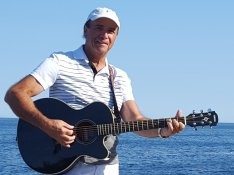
(100, 35)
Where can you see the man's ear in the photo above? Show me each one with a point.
(85, 30)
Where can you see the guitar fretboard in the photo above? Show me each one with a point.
(132, 126)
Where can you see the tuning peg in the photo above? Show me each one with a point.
(209, 110)
(210, 122)
(194, 125)
(202, 123)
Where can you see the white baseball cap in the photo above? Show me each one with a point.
(103, 12)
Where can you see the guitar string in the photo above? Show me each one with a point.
(126, 126)
(181, 119)
(133, 123)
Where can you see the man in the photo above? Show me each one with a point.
(79, 78)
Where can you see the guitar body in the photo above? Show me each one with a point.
(44, 154)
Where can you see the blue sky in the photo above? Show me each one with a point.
(178, 54)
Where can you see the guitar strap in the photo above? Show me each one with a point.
(112, 72)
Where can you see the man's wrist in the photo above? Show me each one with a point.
(160, 133)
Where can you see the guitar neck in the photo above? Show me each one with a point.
(195, 119)
(132, 126)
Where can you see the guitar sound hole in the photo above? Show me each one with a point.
(86, 132)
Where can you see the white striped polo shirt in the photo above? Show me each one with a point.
(71, 79)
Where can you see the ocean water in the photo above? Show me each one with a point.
(205, 151)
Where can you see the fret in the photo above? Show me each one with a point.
(107, 129)
(111, 131)
(104, 128)
(129, 126)
(185, 121)
(137, 125)
(118, 127)
(121, 127)
(114, 129)
(98, 130)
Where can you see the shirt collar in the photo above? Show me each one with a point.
(80, 54)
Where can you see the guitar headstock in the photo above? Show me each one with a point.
(209, 118)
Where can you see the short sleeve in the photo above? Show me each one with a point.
(123, 87)
(46, 73)
(127, 89)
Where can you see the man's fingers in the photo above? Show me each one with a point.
(173, 125)
(182, 126)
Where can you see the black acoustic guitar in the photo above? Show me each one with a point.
(92, 124)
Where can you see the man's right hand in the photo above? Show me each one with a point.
(61, 131)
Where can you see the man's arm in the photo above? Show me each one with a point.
(19, 98)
